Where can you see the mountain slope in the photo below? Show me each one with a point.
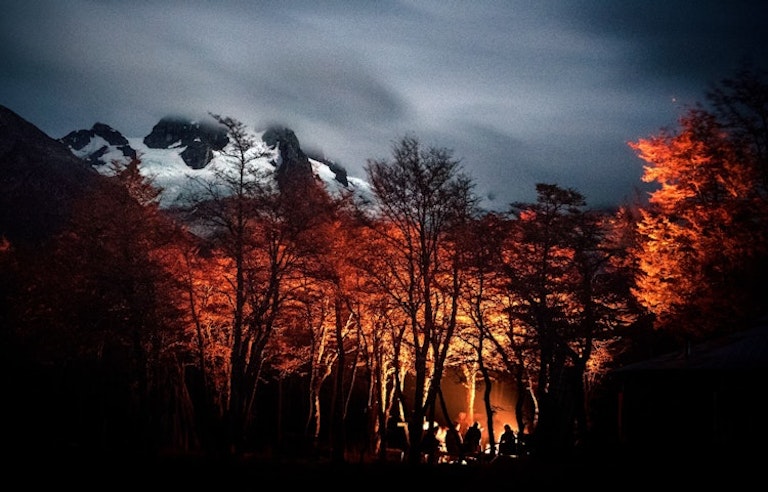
(39, 179)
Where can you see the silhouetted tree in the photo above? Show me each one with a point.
(236, 207)
(560, 280)
(479, 245)
(270, 233)
(102, 308)
(420, 196)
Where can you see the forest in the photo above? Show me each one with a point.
(269, 318)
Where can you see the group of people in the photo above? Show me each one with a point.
(448, 444)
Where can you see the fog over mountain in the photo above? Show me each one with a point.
(179, 152)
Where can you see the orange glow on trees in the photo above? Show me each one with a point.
(703, 235)
(205, 304)
(354, 306)
(563, 300)
(479, 246)
(321, 322)
(421, 196)
(268, 232)
(100, 306)
(386, 351)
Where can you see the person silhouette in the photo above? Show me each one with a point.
(508, 442)
(472, 440)
(430, 445)
(453, 443)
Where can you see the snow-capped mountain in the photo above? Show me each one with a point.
(178, 153)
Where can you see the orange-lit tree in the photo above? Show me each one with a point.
(473, 351)
(206, 313)
(101, 308)
(561, 303)
(420, 196)
(386, 355)
(263, 227)
(703, 234)
(350, 327)
(320, 325)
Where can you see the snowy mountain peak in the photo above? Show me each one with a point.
(93, 145)
(178, 152)
(199, 140)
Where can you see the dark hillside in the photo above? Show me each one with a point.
(39, 177)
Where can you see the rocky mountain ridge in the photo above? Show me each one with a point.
(178, 148)
(40, 177)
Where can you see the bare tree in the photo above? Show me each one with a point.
(421, 195)
(258, 226)
(563, 301)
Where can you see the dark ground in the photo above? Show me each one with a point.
(614, 471)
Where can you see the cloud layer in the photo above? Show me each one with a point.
(522, 92)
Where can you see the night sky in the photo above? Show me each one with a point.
(521, 91)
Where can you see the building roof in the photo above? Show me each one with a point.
(741, 351)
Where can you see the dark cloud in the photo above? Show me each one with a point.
(522, 92)
(696, 39)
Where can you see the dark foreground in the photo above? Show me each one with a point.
(606, 471)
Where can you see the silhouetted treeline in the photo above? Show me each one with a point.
(270, 318)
